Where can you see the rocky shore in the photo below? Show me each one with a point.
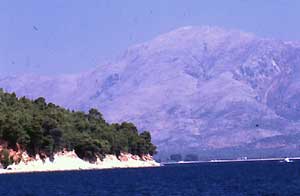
(68, 160)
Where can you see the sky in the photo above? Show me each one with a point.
(52, 37)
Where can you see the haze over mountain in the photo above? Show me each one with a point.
(204, 90)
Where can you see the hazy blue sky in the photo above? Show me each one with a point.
(68, 36)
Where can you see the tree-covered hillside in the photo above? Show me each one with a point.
(45, 128)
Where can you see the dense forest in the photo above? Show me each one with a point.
(45, 128)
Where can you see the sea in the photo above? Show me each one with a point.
(264, 178)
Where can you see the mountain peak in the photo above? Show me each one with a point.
(207, 29)
(193, 38)
(205, 32)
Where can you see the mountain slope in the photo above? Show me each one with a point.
(197, 89)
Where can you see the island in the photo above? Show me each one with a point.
(38, 136)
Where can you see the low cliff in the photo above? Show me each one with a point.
(68, 160)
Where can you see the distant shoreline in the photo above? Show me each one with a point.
(231, 160)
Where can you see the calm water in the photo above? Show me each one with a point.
(260, 178)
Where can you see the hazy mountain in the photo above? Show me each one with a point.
(197, 89)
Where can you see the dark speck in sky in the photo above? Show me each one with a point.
(35, 28)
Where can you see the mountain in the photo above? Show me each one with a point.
(203, 90)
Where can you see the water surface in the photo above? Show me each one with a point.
(232, 179)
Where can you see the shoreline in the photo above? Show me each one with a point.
(69, 161)
(125, 161)
(6, 172)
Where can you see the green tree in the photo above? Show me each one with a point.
(45, 128)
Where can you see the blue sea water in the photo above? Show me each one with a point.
(232, 179)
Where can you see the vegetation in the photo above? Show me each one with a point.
(176, 157)
(5, 159)
(191, 157)
(45, 128)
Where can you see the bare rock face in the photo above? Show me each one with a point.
(204, 90)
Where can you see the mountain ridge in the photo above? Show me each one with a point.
(204, 88)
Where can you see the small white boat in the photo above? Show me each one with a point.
(287, 160)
